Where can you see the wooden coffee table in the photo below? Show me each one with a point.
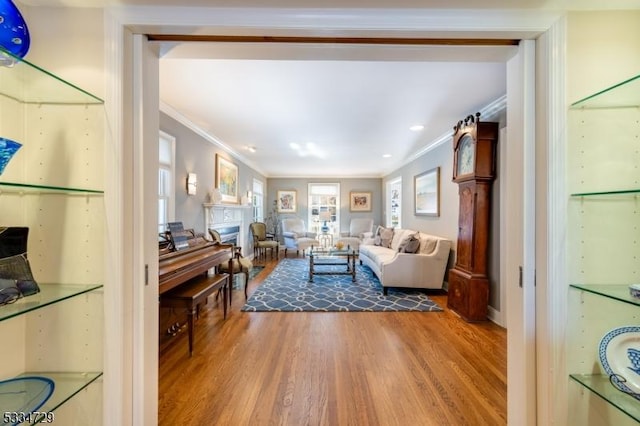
(328, 256)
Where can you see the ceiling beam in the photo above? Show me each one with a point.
(412, 41)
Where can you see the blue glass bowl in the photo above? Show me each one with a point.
(14, 34)
(7, 149)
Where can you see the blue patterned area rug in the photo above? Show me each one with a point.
(287, 289)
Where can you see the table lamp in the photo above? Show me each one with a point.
(325, 216)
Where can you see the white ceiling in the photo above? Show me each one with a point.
(344, 105)
(343, 113)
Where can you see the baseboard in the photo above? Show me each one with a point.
(493, 315)
(496, 316)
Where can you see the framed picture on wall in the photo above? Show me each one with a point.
(287, 201)
(360, 201)
(427, 193)
(227, 179)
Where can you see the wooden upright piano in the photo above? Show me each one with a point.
(176, 267)
(184, 283)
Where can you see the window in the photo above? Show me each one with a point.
(258, 201)
(166, 180)
(394, 203)
(324, 202)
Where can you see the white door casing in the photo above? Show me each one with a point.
(519, 224)
(145, 190)
(141, 20)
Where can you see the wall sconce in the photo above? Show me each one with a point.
(246, 199)
(192, 183)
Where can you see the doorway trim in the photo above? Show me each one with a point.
(143, 20)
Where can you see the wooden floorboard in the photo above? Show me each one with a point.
(324, 368)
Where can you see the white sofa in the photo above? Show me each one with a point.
(424, 269)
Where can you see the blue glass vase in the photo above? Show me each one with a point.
(14, 34)
(7, 149)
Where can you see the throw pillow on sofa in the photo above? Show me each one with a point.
(383, 236)
(411, 244)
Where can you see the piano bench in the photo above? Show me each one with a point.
(194, 292)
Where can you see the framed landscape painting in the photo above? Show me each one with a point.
(427, 193)
(287, 201)
(360, 201)
(227, 179)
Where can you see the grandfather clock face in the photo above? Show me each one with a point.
(466, 155)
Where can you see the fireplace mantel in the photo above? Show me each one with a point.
(225, 206)
(222, 215)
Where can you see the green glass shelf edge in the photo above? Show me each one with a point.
(600, 385)
(38, 188)
(49, 294)
(67, 385)
(600, 193)
(623, 94)
(30, 67)
(618, 292)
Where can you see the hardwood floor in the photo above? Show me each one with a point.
(322, 368)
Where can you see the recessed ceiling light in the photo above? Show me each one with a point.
(251, 148)
(386, 156)
(309, 149)
(416, 128)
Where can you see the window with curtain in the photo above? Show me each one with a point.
(324, 206)
(166, 180)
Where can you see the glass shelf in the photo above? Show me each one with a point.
(607, 193)
(600, 385)
(619, 292)
(49, 295)
(67, 385)
(23, 188)
(622, 95)
(28, 83)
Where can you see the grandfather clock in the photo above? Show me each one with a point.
(474, 149)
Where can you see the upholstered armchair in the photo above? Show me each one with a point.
(262, 241)
(296, 236)
(360, 230)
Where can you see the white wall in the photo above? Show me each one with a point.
(70, 43)
(603, 48)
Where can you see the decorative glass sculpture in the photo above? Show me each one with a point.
(7, 149)
(14, 34)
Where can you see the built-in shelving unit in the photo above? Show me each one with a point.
(54, 186)
(599, 385)
(603, 239)
(49, 294)
(25, 188)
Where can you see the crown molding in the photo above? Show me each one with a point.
(180, 118)
(489, 112)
